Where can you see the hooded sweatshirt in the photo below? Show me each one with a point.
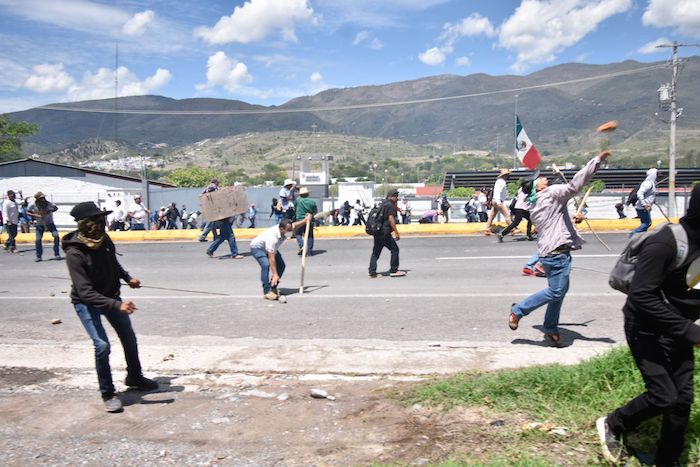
(95, 273)
(646, 194)
(653, 280)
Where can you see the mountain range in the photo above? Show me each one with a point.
(559, 107)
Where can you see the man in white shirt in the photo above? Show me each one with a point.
(499, 197)
(10, 216)
(265, 249)
(138, 213)
(119, 216)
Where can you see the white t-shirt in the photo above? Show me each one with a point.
(270, 239)
(500, 191)
(138, 211)
(119, 214)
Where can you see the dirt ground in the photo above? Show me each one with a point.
(57, 418)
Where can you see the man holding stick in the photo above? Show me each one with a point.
(304, 205)
(95, 274)
(265, 249)
(556, 238)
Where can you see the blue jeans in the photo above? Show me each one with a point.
(558, 268)
(299, 233)
(533, 261)
(208, 227)
(261, 256)
(12, 233)
(645, 219)
(92, 322)
(135, 226)
(40, 233)
(225, 233)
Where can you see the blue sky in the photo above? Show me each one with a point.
(269, 51)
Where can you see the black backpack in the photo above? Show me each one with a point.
(632, 197)
(375, 220)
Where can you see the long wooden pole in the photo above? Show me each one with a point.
(303, 255)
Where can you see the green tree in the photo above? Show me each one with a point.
(191, 177)
(10, 137)
(598, 186)
(274, 172)
(461, 192)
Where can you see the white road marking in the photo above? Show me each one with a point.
(478, 258)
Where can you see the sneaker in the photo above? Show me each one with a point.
(528, 272)
(609, 443)
(211, 255)
(397, 274)
(38, 260)
(555, 339)
(237, 257)
(500, 237)
(531, 238)
(271, 296)
(202, 240)
(141, 382)
(113, 404)
(57, 257)
(513, 319)
(372, 275)
(300, 251)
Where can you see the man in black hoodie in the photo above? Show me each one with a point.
(95, 273)
(659, 325)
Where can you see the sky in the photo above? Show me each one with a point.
(270, 51)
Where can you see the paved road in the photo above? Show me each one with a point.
(449, 313)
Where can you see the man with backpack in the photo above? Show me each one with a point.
(381, 223)
(659, 313)
(556, 238)
(645, 198)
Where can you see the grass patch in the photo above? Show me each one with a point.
(572, 396)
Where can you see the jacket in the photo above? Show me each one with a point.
(659, 301)
(646, 193)
(95, 273)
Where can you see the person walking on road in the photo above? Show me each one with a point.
(520, 212)
(209, 226)
(556, 238)
(42, 212)
(265, 249)
(499, 195)
(646, 196)
(95, 292)
(305, 205)
(225, 227)
(10, 216)
(660, 312)
(384, 238)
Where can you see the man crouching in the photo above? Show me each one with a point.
(95, 273)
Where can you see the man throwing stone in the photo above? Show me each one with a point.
(556, 238)
(95, 274)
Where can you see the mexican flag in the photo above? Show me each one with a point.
(527, 152)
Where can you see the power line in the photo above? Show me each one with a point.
(349, 107)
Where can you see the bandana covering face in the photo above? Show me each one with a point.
(91, 231)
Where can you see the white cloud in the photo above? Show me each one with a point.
(316, 77)
(432, 57)
(473, 25)
(48, 78)
(376, 44)
(12, 74)
(136, 25)
(540, 29)
(100, 85)
(650, 47)
(79, 15)
(682, 15)
(257, 19)
(226, 72)
(360, 37)
(463, 61)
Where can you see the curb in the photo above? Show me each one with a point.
(461, 228)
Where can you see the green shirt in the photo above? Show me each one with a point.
(304, 205)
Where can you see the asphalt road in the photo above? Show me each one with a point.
(456, 296)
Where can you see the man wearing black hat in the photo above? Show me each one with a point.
(383, 239)
(660, 312)
(95, 273)
(10, 215)
(42, 212)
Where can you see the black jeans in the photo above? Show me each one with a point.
(380, 242)
(518, 215)
(666, 366)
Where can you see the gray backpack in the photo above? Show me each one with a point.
(623, 271)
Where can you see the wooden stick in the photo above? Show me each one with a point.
(303, 255)
(582, 203)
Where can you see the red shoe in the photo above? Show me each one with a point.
(539, 271)
(528, 272)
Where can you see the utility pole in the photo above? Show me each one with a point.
(672, 137)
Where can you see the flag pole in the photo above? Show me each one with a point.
(515, 140)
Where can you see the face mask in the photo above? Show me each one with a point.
(91, 231)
